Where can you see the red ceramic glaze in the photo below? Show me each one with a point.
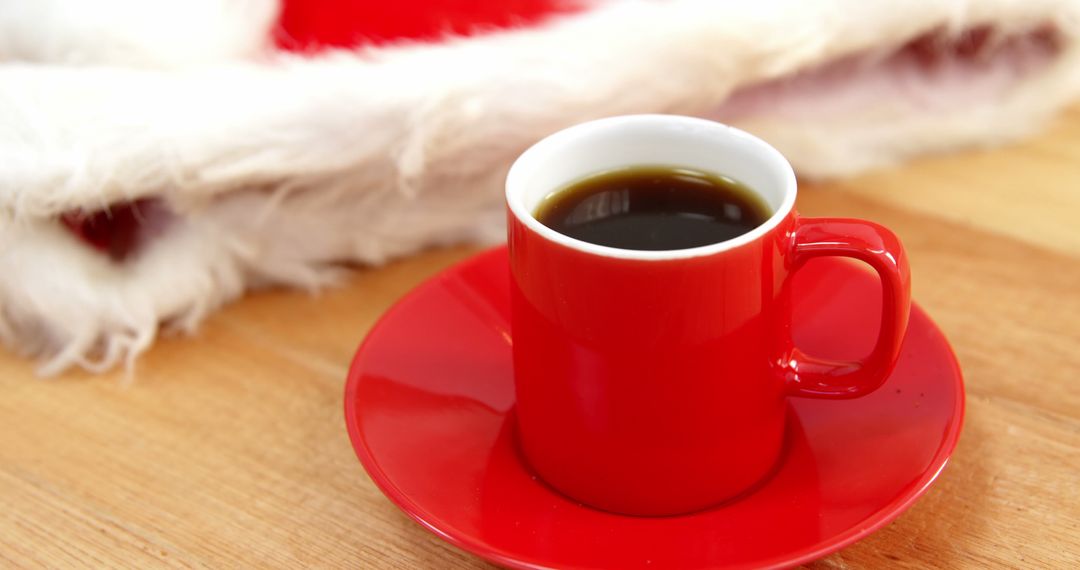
(429, 408)
(879, 248)
(656, 387)
(654, 383)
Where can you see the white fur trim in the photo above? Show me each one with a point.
(278, 169)
(143, 33)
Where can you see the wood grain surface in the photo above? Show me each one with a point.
(228, 449)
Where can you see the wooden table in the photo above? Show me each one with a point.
(229, 450)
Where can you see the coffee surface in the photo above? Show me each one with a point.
(653, 208)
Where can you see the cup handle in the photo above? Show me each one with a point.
(811, 377)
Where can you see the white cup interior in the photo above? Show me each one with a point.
(663, 140)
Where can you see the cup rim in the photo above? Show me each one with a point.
(515, 197)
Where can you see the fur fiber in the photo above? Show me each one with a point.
(277, 168)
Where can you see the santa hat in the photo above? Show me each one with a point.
(159, 158)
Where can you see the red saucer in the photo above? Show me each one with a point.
(429, 407)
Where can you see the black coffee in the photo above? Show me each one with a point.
(653, 208)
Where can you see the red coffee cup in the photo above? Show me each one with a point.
(654, 382)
